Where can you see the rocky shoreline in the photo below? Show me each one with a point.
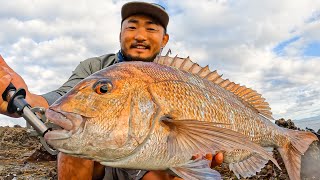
(23, 157)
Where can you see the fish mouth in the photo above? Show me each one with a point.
(57, 135)
(70, 123)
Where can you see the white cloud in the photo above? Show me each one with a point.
(308, 34)
(6, 121)
(44, 40)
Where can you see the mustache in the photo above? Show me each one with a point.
(133, 45)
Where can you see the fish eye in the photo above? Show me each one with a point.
(102, 86)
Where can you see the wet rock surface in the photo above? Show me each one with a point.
(23, 157)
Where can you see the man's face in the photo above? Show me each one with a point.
(142, 38)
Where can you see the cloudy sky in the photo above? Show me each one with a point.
(271, 46)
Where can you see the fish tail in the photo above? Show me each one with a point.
(291, 152)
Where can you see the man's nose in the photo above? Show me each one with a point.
(140, 35)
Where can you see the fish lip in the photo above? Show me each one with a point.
(57, 135)
(71, 123)
(59, 119)
(66, 120)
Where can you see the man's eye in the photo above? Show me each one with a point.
(151, 29)
(131, 27)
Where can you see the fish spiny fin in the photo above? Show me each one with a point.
(175, 60)
(246, 94)
(224, 83)
(292, 151)
(204, 71)
(168, 52)
(186, 65)
(234, 88)
(229, 86)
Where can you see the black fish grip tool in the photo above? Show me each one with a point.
(34, 116)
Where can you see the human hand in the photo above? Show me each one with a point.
(70, 167)
(7, 75)
(214, 160)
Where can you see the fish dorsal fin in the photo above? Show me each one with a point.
(248, 95)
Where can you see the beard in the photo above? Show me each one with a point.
(128, 57)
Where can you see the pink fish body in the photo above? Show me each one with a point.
(156, 115)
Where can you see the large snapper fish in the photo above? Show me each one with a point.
(156, 115)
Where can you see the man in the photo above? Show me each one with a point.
(142, 37)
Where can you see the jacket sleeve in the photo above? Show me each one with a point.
(83, 70)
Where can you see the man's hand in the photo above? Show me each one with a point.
(74, 168)
(214, 160)
(7, 75)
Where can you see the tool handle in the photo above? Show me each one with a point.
(15, 98)
(8, 89)
(18, 104)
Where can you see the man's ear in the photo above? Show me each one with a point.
(165, 40)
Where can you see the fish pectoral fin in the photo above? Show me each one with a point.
(196, 169)
(249, 166)
(189, 137)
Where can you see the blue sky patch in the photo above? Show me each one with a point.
(313, 49)
(163, 4)
(281, 82)
(281, 46)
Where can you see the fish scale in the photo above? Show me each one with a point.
(189, 103)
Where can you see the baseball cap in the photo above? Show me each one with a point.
(152, 9)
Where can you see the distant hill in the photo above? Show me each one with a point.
(311, 122)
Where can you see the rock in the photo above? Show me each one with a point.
(40, 154)
(17, 126)
(286, 124)
(281, 122)
(22, 156)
